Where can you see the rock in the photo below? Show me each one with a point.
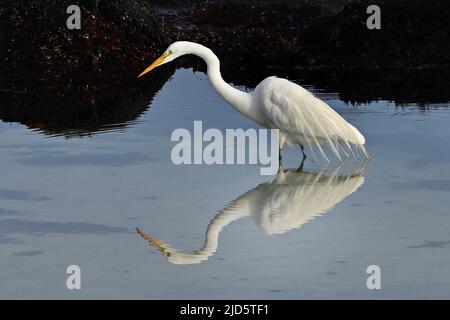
(63, 80)
(326, 43)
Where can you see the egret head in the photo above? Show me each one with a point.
(174, 51)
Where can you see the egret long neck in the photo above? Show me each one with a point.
(238, 99)
(211, 243)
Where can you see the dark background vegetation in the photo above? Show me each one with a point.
(59, 79)
(327, 43)
(64, 80)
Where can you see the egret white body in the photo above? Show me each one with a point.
(276, 103)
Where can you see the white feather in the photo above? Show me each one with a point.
(304, 118)
(280, 104)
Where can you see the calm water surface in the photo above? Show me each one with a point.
(312, 235)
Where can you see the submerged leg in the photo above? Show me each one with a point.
(304, 156)
(280, 161)
(281, 142)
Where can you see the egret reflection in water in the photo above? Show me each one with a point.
(292, 199)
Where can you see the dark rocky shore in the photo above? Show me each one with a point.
(65, 81)
(326, 43)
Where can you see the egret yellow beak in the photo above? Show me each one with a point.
(156, 63)
(155, 243)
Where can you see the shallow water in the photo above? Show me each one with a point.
(79, 200)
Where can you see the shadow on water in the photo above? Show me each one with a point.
(113, 102)
(292, 199)
(74, 82)
(354, 84)
(85, 108)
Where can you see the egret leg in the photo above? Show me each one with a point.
(280, 160)
(304, 156)
(303, 152)
(302, 164)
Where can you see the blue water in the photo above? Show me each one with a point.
(79, 200)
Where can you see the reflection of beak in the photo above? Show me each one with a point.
(155, 243)
(155, 64)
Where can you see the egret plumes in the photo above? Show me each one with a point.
(301, 117)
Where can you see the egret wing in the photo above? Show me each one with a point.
(298, 113)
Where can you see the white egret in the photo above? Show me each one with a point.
(291, 200)
(276, 103)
